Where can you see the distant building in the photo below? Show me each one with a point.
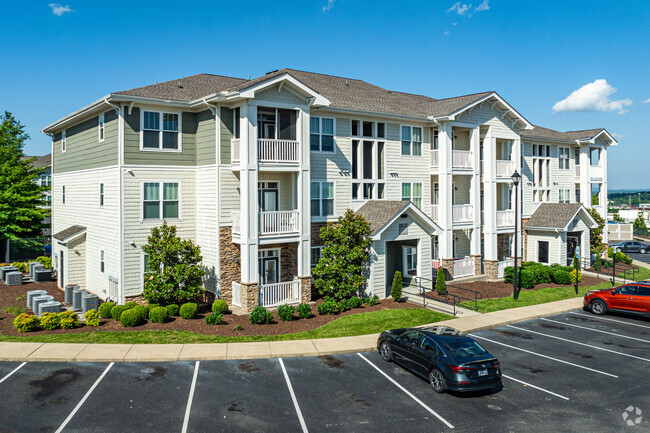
(45, 179)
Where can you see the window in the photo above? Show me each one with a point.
(542, 251)
(46, 180)
(160, 130)
(101, 261)
(410, 260)
(577, 194)
(541, 173)
(321, 134)
(316, 254)
(63, 141)
(411, 141)
(322, 198)
(563, 158)
(565, 195)
(412, 192)
(101, 194)
(63, 194)
(236, 119)
(367, 169)
(100, 128)
(156, 207)
(577, 156)
(48, 200)
(430, 346)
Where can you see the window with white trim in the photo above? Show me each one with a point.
(63, 141)
(101, 194)
(100, 128)
(411, 141)
(160, 130)
(321, 135)
(412, 191)
(322, 198)
(542, 251)
(45, 180)
(541, 172)
(316, 254)
(101, 261)
(368, 167)
(160, 200)
(563, 158)
(565, 195)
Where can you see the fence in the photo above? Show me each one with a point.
(272, 295)
(620, 232)
(464, 267)
(20, 250)
(113, 289)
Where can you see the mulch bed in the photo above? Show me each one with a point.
(620, 267)
(8, 296)
(499, 289)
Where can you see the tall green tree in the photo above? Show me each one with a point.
(22, 201)
(596, 234)
(341, 271)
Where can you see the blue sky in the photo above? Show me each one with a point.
(58, 57)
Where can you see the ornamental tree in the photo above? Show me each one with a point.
(596, 234)
(173, 273)
(342, 268)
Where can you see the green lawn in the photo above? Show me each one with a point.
(356, 324)
(543, 296)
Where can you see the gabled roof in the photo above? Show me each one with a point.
(40, 161)
(558, 216)
(569, 136)
(382, 213)
(69, 233)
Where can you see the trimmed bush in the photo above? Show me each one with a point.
(188, 310)
(21, 266)
(152, 306)
(509, 275)
(598, 263)
(286, 312)
(396, 287)
(372, 301)
(214, 319)
(304, 311)
(92, 318)
(260, 316)
(26, 322)
(117, 311)
(130, 304)
(542, 274)
(49, 321)
(329, 306)
(105, 310)
(219, 306)
(355, 302)
(130, 318)
(142, 310)
(526, 279)
(158, 315)
(342, 305)
(172, 309)
(69, 320)
(561, 276)
(573, 276)
(441, 284)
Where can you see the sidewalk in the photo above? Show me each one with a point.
(28, 352)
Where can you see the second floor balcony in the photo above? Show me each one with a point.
(461, 159)
(505, 218)
(505, 168)
(271, 222)
(462, 213)
(269, 151)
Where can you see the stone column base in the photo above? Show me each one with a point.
(250, 296)
(491, 269)
(477, 264)
(448, 266)
(305, 289)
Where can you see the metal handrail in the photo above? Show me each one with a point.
(456, 299)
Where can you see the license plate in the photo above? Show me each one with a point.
(482, 372)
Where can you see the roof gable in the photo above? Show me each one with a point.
(381, 214)
(558, 217)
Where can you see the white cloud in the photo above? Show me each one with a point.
(460, 8)
(329, 5)
(593, 97)
(454, 24)
(647, 101)
(58, 9)
(447, 32)
(618, 136)
(482, 7)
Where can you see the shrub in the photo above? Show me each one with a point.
(286, 312)
(355, 302)
(526, 279)
(49, 321)
(105, 310)
(598, 263)
(260, 316)
(117, 311)
(304, 311)
(92, 318)
(152, 306)
(543, 274)
(219, 306)
(69, 320)
(561, 276)
(342, 305)
(21, 266)
(172, 309)
(188, 310)
(130, 318)
(372, 301)
(26, 322)
(158, 315)
(15, 311)
(130, 304)
(45, 261)
(573, 276)
(623, 258)
(396, 288)
(142, 310)
(214, 319)
(329, 306)
(441, 284)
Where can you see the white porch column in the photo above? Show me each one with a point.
(303, 191)
(475, 191)
(585, 185)
(516, 157)
(248, 185)
(602, 200)
(490, 196)
(445, 192)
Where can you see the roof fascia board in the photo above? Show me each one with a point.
(518, 116)
(283, 78)
(612, 140)
(76, 114)
(545, 229)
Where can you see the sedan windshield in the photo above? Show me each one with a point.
(465, 348)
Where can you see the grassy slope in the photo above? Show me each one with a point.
(356, 324)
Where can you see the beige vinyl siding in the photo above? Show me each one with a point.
(483, 114)
(462, 185)
(284, 96)
(554, 241)
(83, 149)
(206, 139)
(285, 188)
(206, 223)
(227, 131)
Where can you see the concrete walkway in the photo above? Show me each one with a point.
(28, 352)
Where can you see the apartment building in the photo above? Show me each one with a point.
(252, 169)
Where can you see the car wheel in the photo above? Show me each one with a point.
(619, 250)
(642, 250)
(385, 352)
(437, 381)
(598, 307)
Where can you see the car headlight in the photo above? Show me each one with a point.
(589, 293)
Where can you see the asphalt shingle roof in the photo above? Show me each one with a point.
(541, 132)
(191, 88)
(379, 212)
(553, 215)
(70, 231)
(40, 161)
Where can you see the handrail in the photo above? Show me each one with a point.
(455, 298)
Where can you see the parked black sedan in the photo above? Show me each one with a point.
(631, 247)
(445, 356)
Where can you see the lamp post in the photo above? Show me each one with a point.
(515, 180)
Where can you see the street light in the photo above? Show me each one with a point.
(515, 180)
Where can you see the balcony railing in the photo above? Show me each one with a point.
(272, 295)
(464, 267)
(234, 150)
(268, 150)
(271, 222)
(462, 159)
(577, 172)
(505, 168)
(462, 212)
(434, 158)
(505, 218)
(434, 212)
(596, 171)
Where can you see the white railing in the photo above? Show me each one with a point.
(272, 295)
(236, 222)
(502, 265)
(462, 212)
(234, 150)
(577, 172)
(505, 168)
(596, 172)
(462, 159)
(434, 158)
(464, 267)
(505, 218)
(269, 150)
(236, 294)
(273, 222)
(434, 212)
(113, 289)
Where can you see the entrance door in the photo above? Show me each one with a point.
(61, 280)
(572, 242)
(268, 196)
(410, 260)
(269, 266)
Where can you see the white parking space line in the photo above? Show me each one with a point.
(593, 316)
(293, 397)
(431, 411)
(536, 387)
(543, 356)
(85, 397)
(596, 330)
(12, 372)
(579, 343)
(186, 420)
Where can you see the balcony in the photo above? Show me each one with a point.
(269, 151)
(505, 218)
(596, 172)
(462, 213)
(271, 222)
(505, 168)
(462, 159)
(434, 158)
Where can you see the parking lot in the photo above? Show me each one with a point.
(645, 258)
(569, 372)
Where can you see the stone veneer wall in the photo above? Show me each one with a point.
(491, 269)
(478, 264)
(315, 234)
(230, 268)
(448, 267)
